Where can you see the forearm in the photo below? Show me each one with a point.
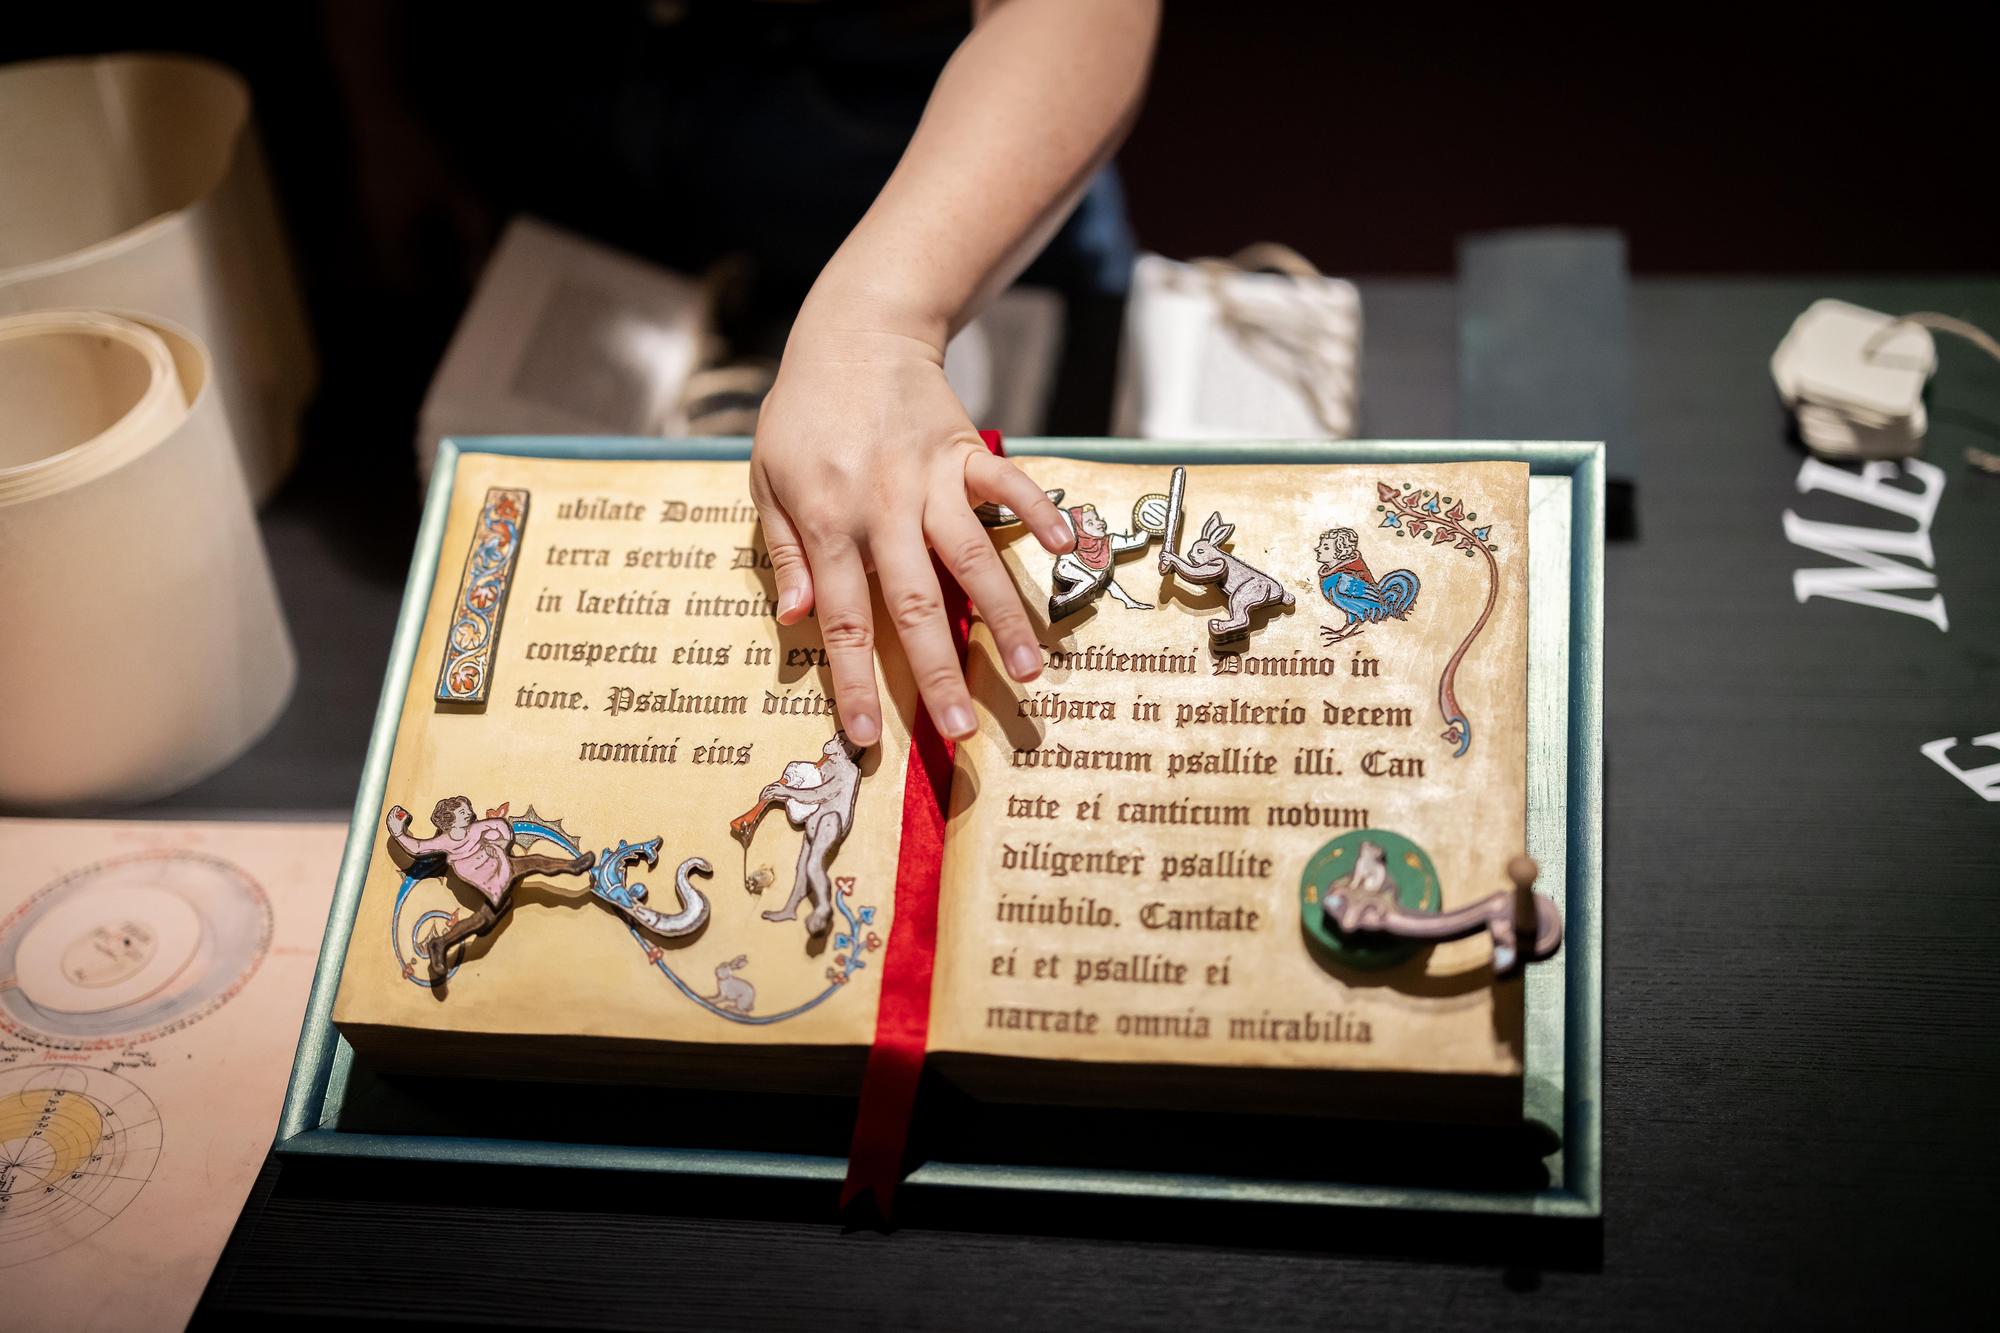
(1035, 100)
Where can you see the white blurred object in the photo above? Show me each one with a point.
(1855, 380)
(1219, 350)
(1002, 365)
(135, 182)
(146, 647)
(567, 337)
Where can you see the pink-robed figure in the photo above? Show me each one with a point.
(476, 851)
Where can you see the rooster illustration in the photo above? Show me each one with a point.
(1346, 581)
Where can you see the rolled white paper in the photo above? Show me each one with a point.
(135, 182)
(144, 645)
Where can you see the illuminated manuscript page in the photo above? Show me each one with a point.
(640, 688)
(1129, 833)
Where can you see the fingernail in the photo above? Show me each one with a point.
(1025, 661)
(958, 721)
(864, 730)
(788, 601)
(1060, 532)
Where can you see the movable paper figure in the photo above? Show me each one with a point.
(1348, 584)
(818, 799)
(1525, 926)
(479, 853)
(1244, 588)
(996, 515)
(1081, 574)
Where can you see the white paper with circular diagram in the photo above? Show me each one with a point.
(152, 978)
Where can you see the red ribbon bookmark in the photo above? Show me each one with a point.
(903, 1018)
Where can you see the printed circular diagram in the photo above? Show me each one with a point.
(129, 949)
(76, 1146)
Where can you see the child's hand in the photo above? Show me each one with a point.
(865, 460)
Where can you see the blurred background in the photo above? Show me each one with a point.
(402, 137)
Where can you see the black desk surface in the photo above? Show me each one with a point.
(1802, 913)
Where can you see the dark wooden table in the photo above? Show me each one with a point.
(1803, 1026)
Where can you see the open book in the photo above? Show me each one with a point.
(626, 840)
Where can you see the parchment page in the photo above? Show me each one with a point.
(1139, 838)
(640, 689)
(152, 978)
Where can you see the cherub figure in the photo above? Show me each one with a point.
(479, 853)
(1081, 574)
(819, 801)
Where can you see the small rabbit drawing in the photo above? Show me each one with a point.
(731, 991)
(1243, 587)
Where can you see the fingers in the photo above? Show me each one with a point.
(847, 627)
(996, 479)
(968, 553)
(829, 575)
(788, 556)
(916, 605)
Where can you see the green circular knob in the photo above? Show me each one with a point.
(1409, 868)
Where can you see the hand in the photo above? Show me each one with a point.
(399, 820)
(865, 459)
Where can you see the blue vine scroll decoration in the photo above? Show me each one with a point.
(609, 882)
(466, 673)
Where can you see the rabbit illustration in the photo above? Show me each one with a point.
(731, 991)
(1245, 588)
